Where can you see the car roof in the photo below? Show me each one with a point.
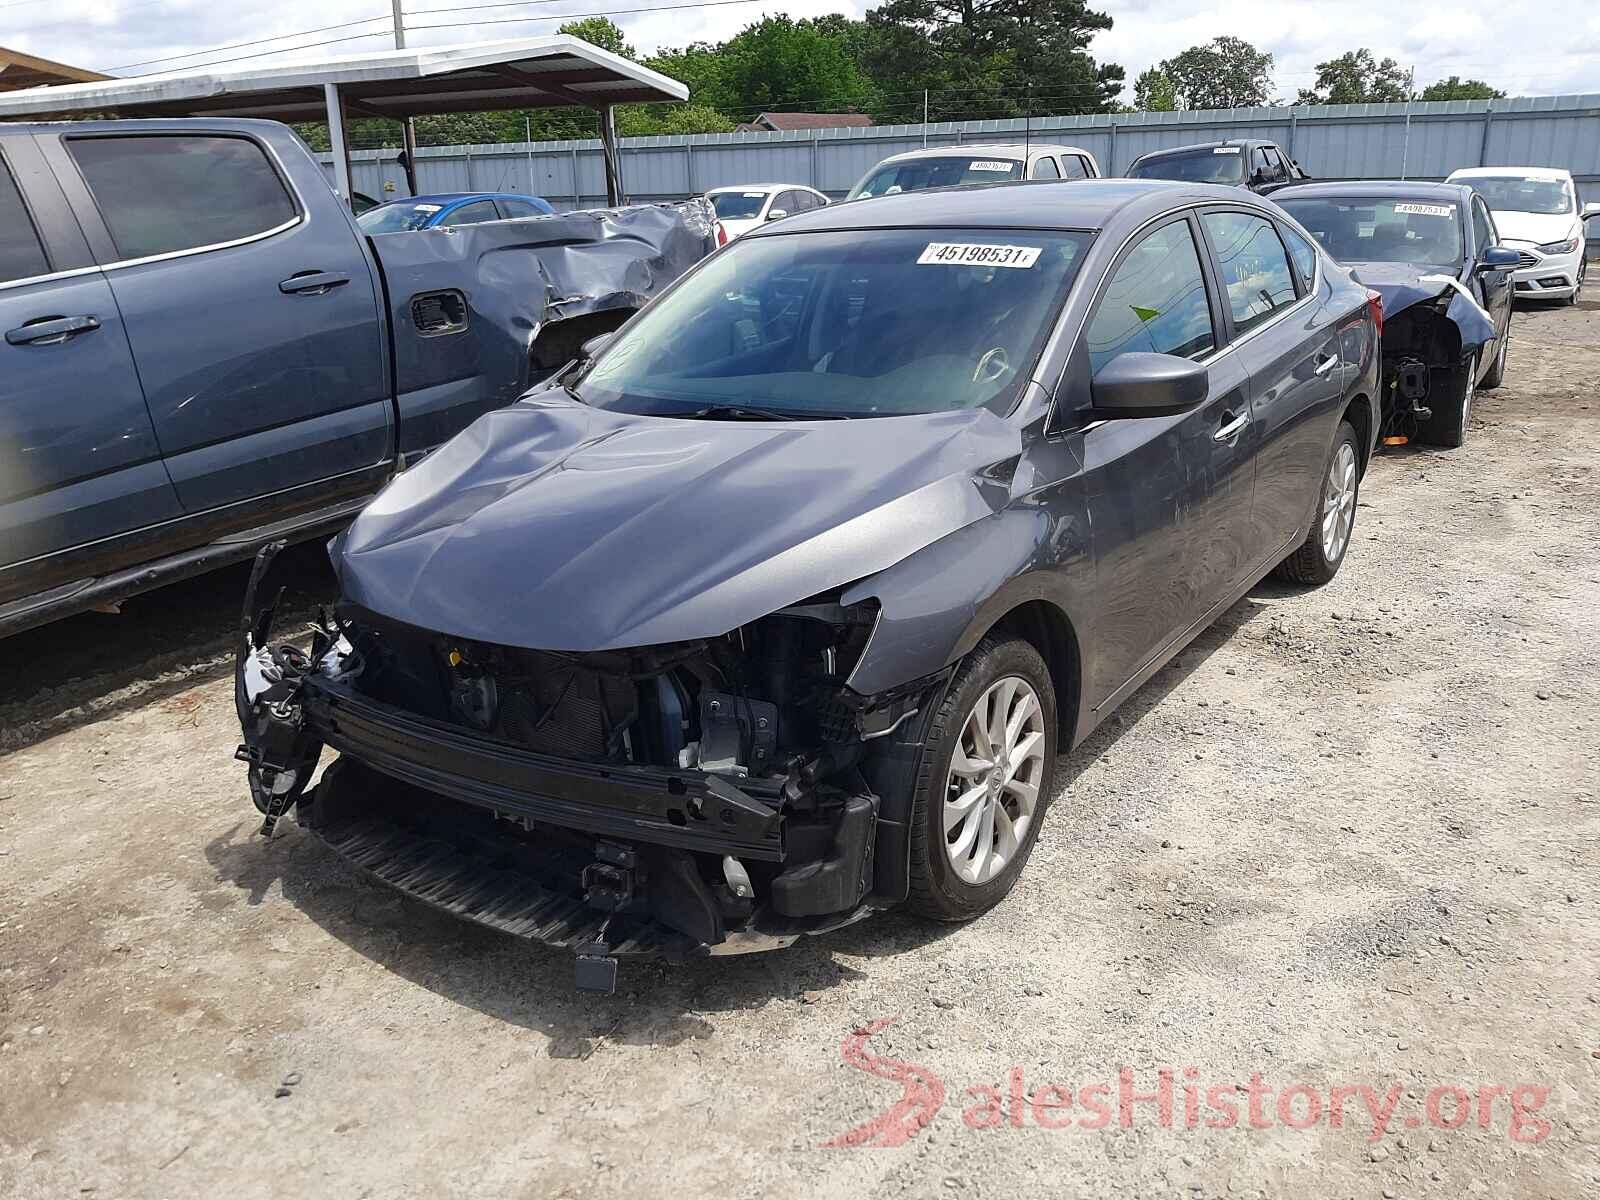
(759, 187)
(1552, 173)
(967, 149)
(1242, 143)
(1403, 189)
(455, 197)
(1071, 204)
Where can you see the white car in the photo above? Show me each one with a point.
(742, 208)
(1536, 213)
(957, 166)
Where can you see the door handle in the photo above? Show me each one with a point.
(1324, 365)
(50, 331)
(1234, 425)
(312, 283)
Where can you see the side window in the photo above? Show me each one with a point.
(475, 213)
(1258, 162)
(1253, 265)
(1073, 167)
(1274, 163)
(21, 254)
(168, 192)
(1046, 168)
(790, 202)
(1156, 301)
(1304, 256)
(519, 208)
(1482, 225)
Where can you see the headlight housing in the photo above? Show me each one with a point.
(1566, 247)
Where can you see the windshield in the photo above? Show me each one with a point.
(945, 170)
(1512, 193)
(849, 324)
(1393, 230)
(1215, 164)
(738, 206)
(399, 217)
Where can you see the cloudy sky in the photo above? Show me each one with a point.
(1556, 50)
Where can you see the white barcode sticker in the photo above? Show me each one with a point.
(429, 208)
(977, 254)
(1426, 210)
(990, 164)
(1225, 150)
(754, 195)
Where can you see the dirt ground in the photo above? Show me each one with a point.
(1349, 839)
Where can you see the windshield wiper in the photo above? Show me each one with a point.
(734, 412)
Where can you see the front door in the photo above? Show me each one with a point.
(79, 464)
(1168, 497)
(1493, 288)
(250, 309)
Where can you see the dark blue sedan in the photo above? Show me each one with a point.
(448, 209)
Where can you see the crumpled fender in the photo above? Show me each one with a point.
(1404, 286)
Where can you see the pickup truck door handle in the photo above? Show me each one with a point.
(50, 331)
(312, 283)
(1324, 365)
(1234, 425)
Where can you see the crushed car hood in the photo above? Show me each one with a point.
(553, 525)
(1403, 285)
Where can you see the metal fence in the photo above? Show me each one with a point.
(1340, 141)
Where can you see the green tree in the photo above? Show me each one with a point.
(780, 64)
(602, 32)
(1355, 77)
(1227, 72)
(1154, 91)
(1456, 88)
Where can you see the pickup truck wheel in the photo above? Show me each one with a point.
(1451, 414)
(983, 781)
(1319, 556)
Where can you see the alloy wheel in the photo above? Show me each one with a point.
(996, 771)
(1339, 503)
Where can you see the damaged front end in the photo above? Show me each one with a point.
(709, 796)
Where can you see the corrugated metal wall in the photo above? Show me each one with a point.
(1342, 141)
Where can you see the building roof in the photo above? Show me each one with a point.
(19, 70)
(469, 77)
(779, 121)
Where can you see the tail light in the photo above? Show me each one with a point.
(722, 234)
(1375, 307)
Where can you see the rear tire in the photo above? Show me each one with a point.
(942, 848)
(1334, 523)
(1448, 425)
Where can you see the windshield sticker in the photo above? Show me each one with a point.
(754, 195)
(428, 208)
(1225, 150)
(986, 164)
(1426, 210)
(977, 254)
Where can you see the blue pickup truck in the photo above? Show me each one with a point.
(203, 352)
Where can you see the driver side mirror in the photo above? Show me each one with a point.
(1140, 384)
(775, 213)
(1499, 258)
(1591, 209)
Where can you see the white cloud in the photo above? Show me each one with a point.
(1559, 52)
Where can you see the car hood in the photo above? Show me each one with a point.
(553, 525)
(736, 228)
(1403, 285)
(1534, 229)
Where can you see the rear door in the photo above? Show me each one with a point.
(80, 470)
(1290, 350)
(1168, 496)
(250, 308)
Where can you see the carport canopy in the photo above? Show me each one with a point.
(543, 72)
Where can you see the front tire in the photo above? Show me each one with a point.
(983, 781)
(1321, 554)
(1497, 373)
(1448, 425)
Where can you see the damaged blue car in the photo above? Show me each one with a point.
(777, 606)
(1432, 252)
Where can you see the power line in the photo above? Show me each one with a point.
(353, 37)
(257, 42)
(602, 12)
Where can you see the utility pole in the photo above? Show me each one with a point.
(408, 127)
(1411, 95)
(924, 118)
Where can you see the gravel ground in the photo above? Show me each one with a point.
(1349, 839)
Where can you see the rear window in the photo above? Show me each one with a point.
(1214, 164)
(21, 255)
(946, 170)
(738, 206)
(160, 194)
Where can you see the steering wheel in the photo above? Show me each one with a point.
(994, 366)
